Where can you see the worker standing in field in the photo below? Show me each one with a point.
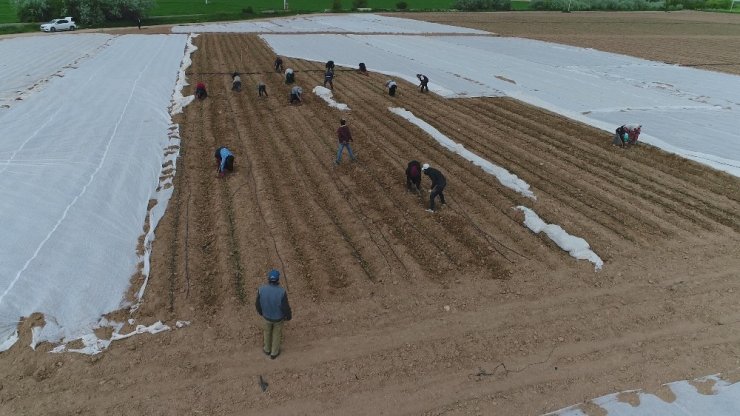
(345, 137)
(438, 185)
(329, 79)
(272, 304)
(278, 64)
(330, 66)
(423, 82)
(224, 161)
(391, 85)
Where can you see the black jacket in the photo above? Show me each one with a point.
(438, 179)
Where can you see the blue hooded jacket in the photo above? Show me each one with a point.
(224, 152)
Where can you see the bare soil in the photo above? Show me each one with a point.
(398, 311)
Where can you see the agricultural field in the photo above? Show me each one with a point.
(7, 13)
(402, 312)
(186, 7)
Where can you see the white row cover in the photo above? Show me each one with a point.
(79, 163)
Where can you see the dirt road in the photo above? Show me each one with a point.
(398, 311)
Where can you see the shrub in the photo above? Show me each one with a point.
(86, 11)
(717, 4)
(578, 5)
(336, 5)
(401, 5)
(248, 10)
(540, 5)
(34, 10)
(471, 5)
(474, 5)
(359, 4)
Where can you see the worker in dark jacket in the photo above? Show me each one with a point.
(262, 89)
(345, 137)
(330, 66)
(438, 185)
(200, 91)
(413, 176)
(236, 82)
(272, 304)
(329, 79)
(289, 76)
(363, 69)
(224, 160)
(278, 64)
(391, 85)
(423, 82)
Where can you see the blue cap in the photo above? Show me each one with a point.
(273, 276)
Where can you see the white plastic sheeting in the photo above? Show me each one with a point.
(358, 23)
(724, 400)
(326, 95)
(78, 166)
(577, 247)
(29, 63)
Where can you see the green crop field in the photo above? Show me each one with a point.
(199, 7)
(7, 12)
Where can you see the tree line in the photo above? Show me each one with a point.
(88, 12)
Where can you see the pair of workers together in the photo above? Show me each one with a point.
(413, 181)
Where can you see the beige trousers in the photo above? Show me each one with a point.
(273, 336)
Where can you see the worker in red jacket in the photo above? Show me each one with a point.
(345, 137)
(413, 176)
(200, 91)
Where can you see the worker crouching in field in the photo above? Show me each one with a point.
(295, 95)
(363, 69)
(200, 91)
(438, 185)
(391, 85)
(262, 89)
(289, 76)
(272, 304)
(224, 161)
(413, 176)
(236, 82)
(627, 134)
(278, 64)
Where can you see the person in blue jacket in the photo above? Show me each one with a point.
(224, 160)
(272, 304)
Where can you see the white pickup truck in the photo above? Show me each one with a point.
(66, 23)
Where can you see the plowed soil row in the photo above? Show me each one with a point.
(396, 310)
